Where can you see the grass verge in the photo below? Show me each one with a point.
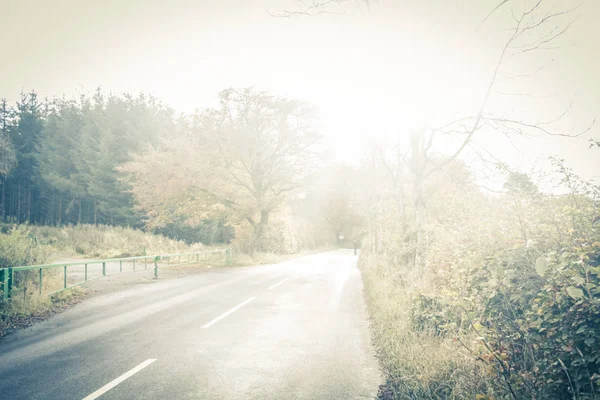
(418, 364)
(25, 310)
(105, 241)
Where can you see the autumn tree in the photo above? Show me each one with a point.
(240, 160)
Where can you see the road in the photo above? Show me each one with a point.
(294, 330)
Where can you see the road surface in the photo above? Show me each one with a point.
(294, 330)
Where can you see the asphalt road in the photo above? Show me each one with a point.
(294, 330)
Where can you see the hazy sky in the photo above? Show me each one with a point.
(373, 74)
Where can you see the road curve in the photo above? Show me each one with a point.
(294, 330)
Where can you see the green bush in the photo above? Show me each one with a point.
(19, 247)
(535, 309)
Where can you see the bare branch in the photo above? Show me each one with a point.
(493, 11)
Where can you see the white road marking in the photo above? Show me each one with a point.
(277, 284)
(120, 379)
(234, 309)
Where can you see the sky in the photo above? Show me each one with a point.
(375, 74)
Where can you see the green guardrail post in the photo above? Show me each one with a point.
(11, 281)
(41, 279)
(65, 278)
(104, 268)
(85, 273)
(156, 266)
(5, 282)
(228, 257)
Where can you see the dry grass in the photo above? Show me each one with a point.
(419, 364)
(108, 241)
(27, 307)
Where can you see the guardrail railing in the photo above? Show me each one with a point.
(54, 278)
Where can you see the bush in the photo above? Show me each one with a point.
(19, 247)
(280, 238)
(535, 309)
(419, 363)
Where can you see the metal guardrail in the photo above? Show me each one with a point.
(7, 275)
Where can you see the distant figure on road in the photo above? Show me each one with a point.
(355, 245)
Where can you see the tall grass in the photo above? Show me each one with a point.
(108, 241)
(418, 364)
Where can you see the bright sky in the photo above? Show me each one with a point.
(373, 74)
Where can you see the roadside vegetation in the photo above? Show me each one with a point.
(104, 241)
(508, 304)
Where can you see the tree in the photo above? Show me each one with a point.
(536, 25)
(57, 152)
(7, 153)
(24, 135)
(243, 158)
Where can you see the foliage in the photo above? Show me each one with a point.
(67, 152)
(418, 363)
(19, 247)
(240, 161)
(512, 284)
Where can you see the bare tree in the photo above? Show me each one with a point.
(536, 25)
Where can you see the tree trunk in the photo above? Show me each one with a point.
(29, 206)
(59, 210)
(19, 204)
(3, 201)
(260, 230)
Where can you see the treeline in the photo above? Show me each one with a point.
(59, 156)
(125, 160)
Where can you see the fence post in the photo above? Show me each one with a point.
(11, 280)
(120, 265)
(41, 276)
(65, 278)
(5, 282)
(156, 266)
(85, 277)
(104, 268)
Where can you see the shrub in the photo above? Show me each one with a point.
(19, 247)
(535, 308)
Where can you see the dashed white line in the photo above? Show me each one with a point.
(234, 309)
(277, 284)
(120, 379)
